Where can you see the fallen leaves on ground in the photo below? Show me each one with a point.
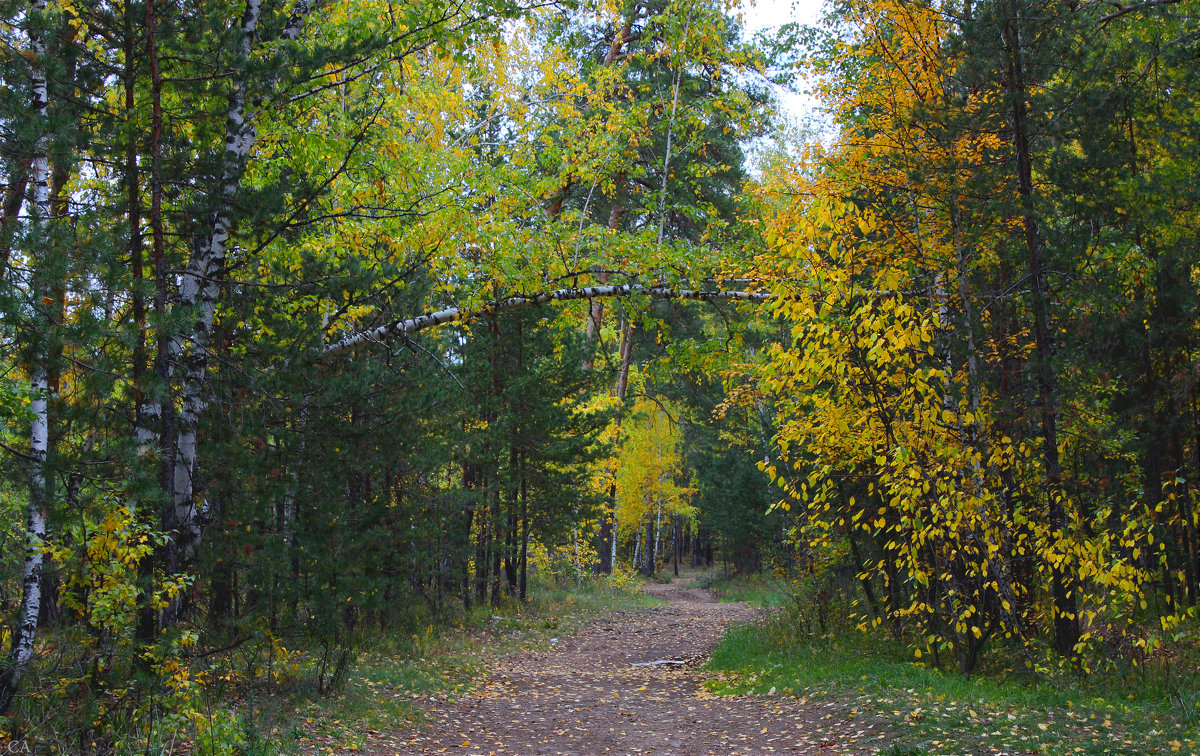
(585, 696)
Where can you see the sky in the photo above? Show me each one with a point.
(764, 15)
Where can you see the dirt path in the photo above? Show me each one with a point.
(586, 696)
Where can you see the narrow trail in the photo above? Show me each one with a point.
(585, 696)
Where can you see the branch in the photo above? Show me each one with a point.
(18, 453)
(453, 314)
(1121, 10)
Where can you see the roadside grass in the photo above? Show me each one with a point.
(938, 713)
(760, 591)
(396, 671)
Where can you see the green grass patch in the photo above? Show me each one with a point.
(940, 713)
(763, 590)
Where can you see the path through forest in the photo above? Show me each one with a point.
(589, 696)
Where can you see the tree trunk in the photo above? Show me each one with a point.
(199, 291)
(400, 328)
(596, 309)
(10, 211)
(1066, 620)
(40, 482)
(596, 306)
(143, 435)
(607, 546)
(524, 534)
(496, 546)
(158, 409)
(482, 560)
(675, 538)
(468, 516)
(654, 550)
(648, 554)
(199, 285)
(220, 602)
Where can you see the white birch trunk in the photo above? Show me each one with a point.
(143, 432)
(401, 328)
(199, 289)
(39, 431)
(657, 534)
(613, 552)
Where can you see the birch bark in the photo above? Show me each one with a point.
(199, 288)
(40, 492)
(401, 328)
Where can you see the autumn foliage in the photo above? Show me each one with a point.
(319, 320)
(947, 402)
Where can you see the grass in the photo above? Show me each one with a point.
(936, 713)
(759, 591)
(382, 691)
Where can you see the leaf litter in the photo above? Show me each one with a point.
(605, 690)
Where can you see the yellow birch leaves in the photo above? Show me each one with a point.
(893, 430)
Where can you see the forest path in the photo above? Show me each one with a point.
(585, 697)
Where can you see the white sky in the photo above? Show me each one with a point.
(764, 15)
(767, 14)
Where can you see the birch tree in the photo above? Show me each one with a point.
(927, 381)
(39, 251)
(650, 479)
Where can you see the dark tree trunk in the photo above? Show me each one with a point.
(1066, 619)
(496, 547)
(468, 518)
(604, 565)
(524, 537)
(220, 603)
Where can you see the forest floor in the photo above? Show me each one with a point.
(594, 693)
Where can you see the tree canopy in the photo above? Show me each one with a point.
(319, 317)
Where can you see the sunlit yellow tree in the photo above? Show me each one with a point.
(900, 424)
(650, 481)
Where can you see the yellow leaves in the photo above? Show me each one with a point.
(648, 465)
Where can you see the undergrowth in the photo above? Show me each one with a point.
(269, 693)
